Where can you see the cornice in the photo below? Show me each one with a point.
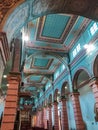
(83, 27)
(82, 53)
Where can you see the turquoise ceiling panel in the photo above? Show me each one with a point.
(41, 62)
(35, 78)
(30, 88)
(54, 25)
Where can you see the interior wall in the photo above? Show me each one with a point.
(2, 103)
(1, 68)
(70, 112)
(87, 102)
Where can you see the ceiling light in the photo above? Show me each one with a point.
(58, 92)
(7, 85)
(4, 76)
(65, 87)
(26, 38)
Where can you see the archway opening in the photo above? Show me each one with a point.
(95, 67)
(65, 90)
(81, 78)
(81, 84)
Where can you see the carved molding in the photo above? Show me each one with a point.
(42, 7)
(60, 40)
(6, 7)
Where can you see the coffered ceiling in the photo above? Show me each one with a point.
(53, 27)
(50, 39)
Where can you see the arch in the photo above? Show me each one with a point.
(46, 102)
(56, 95)
(95, 67)
(41, 7)
(80, 79)
(65, 89)
(60, 58)
(11, 7)
(50, 98)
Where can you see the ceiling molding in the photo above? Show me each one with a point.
(41, 67)
(50, 40)
(83, 27)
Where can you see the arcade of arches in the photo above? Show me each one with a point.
(48, 65)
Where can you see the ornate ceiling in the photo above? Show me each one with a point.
(53, 28)
(50, 39)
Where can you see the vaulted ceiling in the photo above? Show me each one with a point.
(52, 26)
(50, 39)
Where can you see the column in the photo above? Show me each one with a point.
(77, 111)
(50, 117)
(94, 86)
(45, 117)
(41, 118)
(64, 117)
(11, 104)
(37, 123)
(56, 121)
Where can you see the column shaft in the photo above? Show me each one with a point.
(94, 86)
(56, 121)
(41, 118)
(11, 104)
(77, 112)
(50, 117)
(45, 118)
(64, 116)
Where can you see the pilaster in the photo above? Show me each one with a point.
(56, 120)
(64, 117)
(50, 116)
(11, 103)
(77, 111)
(94, 86)
(45, 117)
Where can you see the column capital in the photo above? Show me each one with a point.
(55, 103)
(40, 108)
(63, 98)
(49, 105)
(14, 76)
(74, 94)
(93, 81)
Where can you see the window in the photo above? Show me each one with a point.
(94, 28)
(76, 50)
(57, 74)
(63, 67)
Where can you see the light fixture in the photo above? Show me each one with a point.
(4, 76)
(7, 85)
(65, 87)
(58, 92)
(25, 38)
(89, 48)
